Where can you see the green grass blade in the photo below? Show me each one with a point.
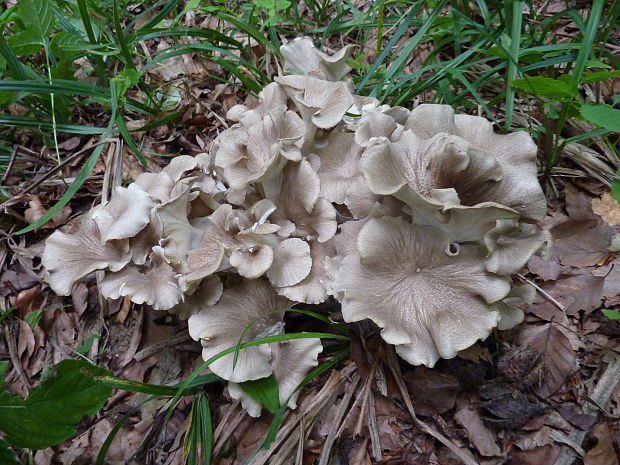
(28, 122)
(122, 128)
(210, 34)
(206, 427)
(406, 22)
(249, 30)
(120, 36)
(81, 176)
(255, 342)
(404, 55)
(516, 24)
(58, 86)
(592, 25)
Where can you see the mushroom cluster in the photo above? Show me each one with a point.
(415, 220)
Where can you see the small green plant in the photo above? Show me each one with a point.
(611, 314)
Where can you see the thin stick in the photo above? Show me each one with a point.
(464, 455)
(10, 166)
(47, 175)
(544, 293)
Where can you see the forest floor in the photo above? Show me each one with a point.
(545, 392)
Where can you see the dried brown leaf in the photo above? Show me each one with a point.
(579, 292)
(603, 452)
(607, 208)
(480, 436)
(536, 456)
(432, 392)
(558, 358)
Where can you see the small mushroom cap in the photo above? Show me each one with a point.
(374, 124)
(322, 102)
(291, 263)
(177, 230)
(157, 185)
(302, 57)
(253, 262)
(208, 293)
(179, 165)
(511, 245)
(339, 166)
(125, 215)
(253, 304)
(511, 313)
(299, 203)
(430, 304)
(69, 257)
(157, 286)
(253, 407)
(292, 360)
(314, 288)
(141, 244)
(248, 152)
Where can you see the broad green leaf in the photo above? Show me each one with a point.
(53, 409)
(615, 188)
(88, 343)
(34, 317)
(7, 457)
(602, 115)
(597, 64)
(68, 44)
(24, 43)
(611, 314)
(600, 76)
(37, 16)
(265, 391)
(544, 87)
(3, 367)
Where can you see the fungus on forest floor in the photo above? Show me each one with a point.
(414, 219)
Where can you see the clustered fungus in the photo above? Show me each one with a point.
(415, 220)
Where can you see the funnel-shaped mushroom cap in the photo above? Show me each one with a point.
(446, 182)
(302, 57)
(315, 287)
(291, 263)
(431, 298)
(125, 215)
(511, 307)
(299, 203)
(519, 188)
(510, 246)
(69, 257)
(246, 153)
(208, 293)
(339, 171)
(157, 185)
(252, 262)
(254, 306)
(321, 102)
(292, 360)
(177, 229)
(156, 286)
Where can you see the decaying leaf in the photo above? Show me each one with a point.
(603, 452)
(607, 208)
(558, 358)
